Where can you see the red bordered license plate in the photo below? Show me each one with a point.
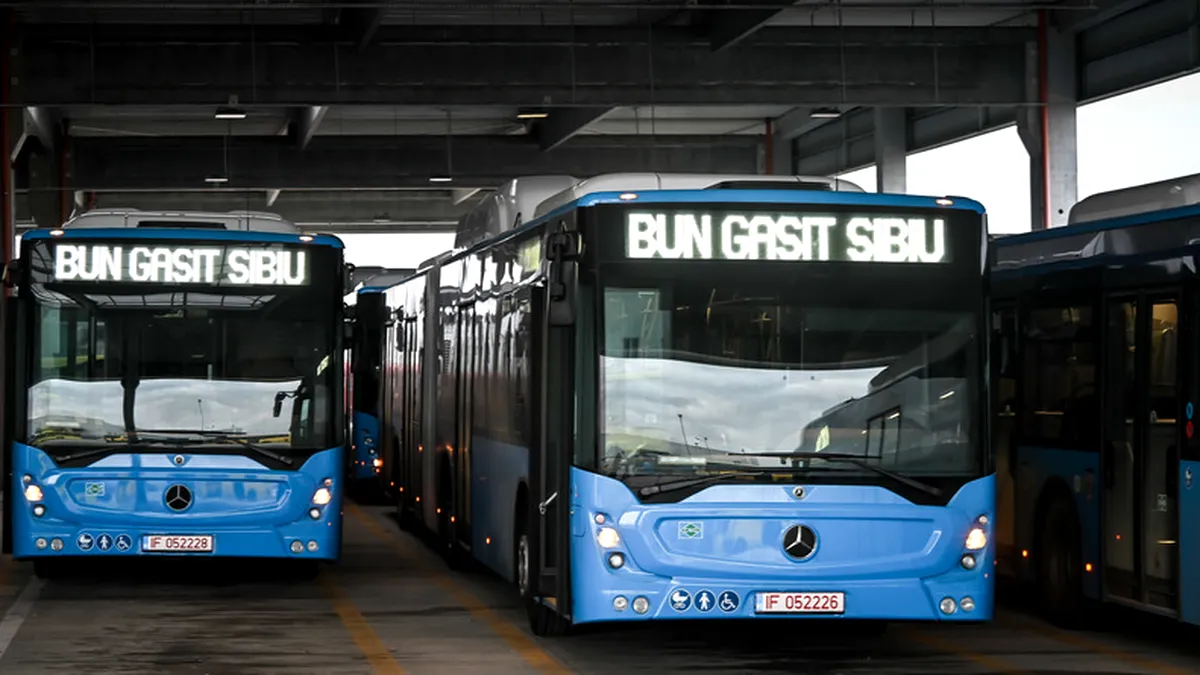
(800, 603)
(177, 543)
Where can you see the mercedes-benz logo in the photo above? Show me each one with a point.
(178, 497)
(179, 460)
(800, 542)
(798, 492)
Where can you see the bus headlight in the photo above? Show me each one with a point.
(322, 496)
(607, 537)
(976, 539)
(33, 493)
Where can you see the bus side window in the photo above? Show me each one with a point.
(1060, 399)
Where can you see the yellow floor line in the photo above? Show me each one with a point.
(516, 639)
(368, 642)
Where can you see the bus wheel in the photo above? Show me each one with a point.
(1060, 565)
(543, 621)
(49, 570)
(305, 570)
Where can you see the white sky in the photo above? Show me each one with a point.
(1140, 137)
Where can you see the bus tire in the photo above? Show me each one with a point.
(543, 621)
(50, 569)
(1060, 564)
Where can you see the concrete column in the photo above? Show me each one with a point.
(11, 125)
(891, 149)
(1048, 130)
(49, 165)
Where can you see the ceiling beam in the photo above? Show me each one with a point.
(523, 66)
(304, 123)
(1077, 20)
(350, 162)
(347, 211)
(43, 123)
(730, 26)
(564, 123)
(362, 23)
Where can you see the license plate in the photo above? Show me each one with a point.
(799, 603)
(177, 543)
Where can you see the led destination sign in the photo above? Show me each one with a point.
(180, 265)
(758, 236)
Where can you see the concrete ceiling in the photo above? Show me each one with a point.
(352, 109)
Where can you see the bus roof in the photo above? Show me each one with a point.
(1137, 221)
(693, 188)
(528, 197)
(643, 182)
(246, 221)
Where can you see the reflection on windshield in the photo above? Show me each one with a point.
(691, 380)
(65, 409)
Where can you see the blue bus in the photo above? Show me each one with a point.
(367, 473)
(1096, 455)
(614, 396)
(174, 389)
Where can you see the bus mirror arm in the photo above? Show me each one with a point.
(563, 252)
(12, 272)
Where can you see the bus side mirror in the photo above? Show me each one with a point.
(563, 249)
(279, 396)
(12, 271)
(347, 277)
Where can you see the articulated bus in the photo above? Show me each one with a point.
(604, 398)
(174, 389)
(365, 471)
(1096, 455)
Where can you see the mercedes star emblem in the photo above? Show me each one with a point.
(178, 497)
(800, 542)
(798, 492)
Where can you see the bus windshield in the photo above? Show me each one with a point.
(115, 363)
(695, 372)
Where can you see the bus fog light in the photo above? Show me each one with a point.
(616, 561)
(56, 544)
(967, 604)
(599, 519)
(40, 542)
(322, 496)
(641, 605)
(607, 537)
(312, 546)
(314, 513)
(297, 547)
(976, 539)
(967, 561)
(33, 493)
(948, 606)
(620, 603)
(39, 510)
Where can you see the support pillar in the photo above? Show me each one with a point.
(48, 163)
(891, 150)
(1048, 130)
(10, 129)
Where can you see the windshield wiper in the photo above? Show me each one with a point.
(684, 483)
(220, 436)
(107, 448)
(854, 460)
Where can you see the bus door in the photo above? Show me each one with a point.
(550, 462)
(1141, 452)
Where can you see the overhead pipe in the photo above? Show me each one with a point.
(427, 6)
